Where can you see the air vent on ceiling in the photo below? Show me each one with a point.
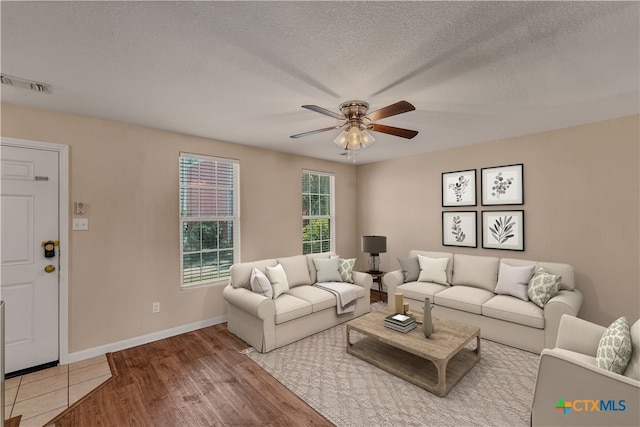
(25, 84)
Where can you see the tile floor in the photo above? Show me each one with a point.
(42, 395)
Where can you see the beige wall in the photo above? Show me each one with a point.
(581, 188)
(129, 258)
(581, 193)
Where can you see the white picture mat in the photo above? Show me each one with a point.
(459, 188)
(511, 238)
(502, 185)
(459, 229)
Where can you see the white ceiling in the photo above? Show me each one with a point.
(240, 71)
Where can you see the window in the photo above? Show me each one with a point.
(209, 218)
(317, 212)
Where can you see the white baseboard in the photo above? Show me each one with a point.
(143, 339)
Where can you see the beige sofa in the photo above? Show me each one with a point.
(469, 296)
(266, 323)
(569, 372)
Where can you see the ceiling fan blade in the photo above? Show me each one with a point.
(324, 111)
(311, 132)
(390, 110)
(404, 133)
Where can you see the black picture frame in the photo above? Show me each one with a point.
(503, 230)
(502, 185)
(459, 188)
(460, 228)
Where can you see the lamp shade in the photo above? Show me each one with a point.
(374, 244)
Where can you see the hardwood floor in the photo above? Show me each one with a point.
(194, 379)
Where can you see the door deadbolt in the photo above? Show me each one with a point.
(49, 268)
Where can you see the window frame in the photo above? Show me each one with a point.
(331, 216)
(234, 218)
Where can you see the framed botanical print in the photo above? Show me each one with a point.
(459, 229)
(503, 230)
(503, 185)
(459, 188)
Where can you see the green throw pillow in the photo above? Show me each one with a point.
(614, 349)
(543, 286)
(345, 268)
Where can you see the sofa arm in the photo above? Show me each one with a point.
(560, 375)
(362, 279)
(566, 302)
(392, 280)
(579, 335)
(255, 304)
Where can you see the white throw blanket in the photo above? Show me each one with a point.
(345, 295)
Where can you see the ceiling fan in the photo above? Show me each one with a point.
(357, 122)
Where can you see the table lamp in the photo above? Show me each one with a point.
(374, 246)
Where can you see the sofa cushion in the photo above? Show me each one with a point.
(345, 268)
(410, 268)
(318, 298)
(260, 283)
(633, 368)
(464, 298)
(296, 269)
(543, 286)
(433, 269)
(327, 269)
(614, 349)
(431, 254)
(514, 280)
(420, 290)
(475, 271)
(564, 270)
(278, 279)
(514, 310)
(240, 274)
(312, 267)
(288, 307)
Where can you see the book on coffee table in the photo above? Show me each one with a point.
(400, 322)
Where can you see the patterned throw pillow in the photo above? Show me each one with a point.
(345, 268)
(543, 286)
(260, 283)
(614, 349)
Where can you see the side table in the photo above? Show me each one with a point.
(377, 278)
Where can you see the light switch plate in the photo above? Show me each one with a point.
(80, 224)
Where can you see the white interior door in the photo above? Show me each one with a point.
(30, 290)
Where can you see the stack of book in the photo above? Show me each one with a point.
(400, 322)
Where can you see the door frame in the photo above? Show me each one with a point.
(63, 218)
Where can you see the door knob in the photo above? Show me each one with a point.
(49, 268)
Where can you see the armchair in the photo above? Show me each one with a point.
(571, 390)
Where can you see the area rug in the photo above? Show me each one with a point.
(350, 392)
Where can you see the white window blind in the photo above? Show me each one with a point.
(318, 234)
(209, 217)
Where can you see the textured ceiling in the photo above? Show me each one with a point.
(239, 71)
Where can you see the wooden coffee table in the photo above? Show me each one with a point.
(404, 355)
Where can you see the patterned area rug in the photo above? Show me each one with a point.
(350, 392)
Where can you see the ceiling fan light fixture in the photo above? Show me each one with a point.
(342, 139)
(355, 138)
(367, 138)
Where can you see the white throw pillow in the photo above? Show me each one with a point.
(260, 283)
(278, 279)
(514, 280)
(327, 269)
(433, 269)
